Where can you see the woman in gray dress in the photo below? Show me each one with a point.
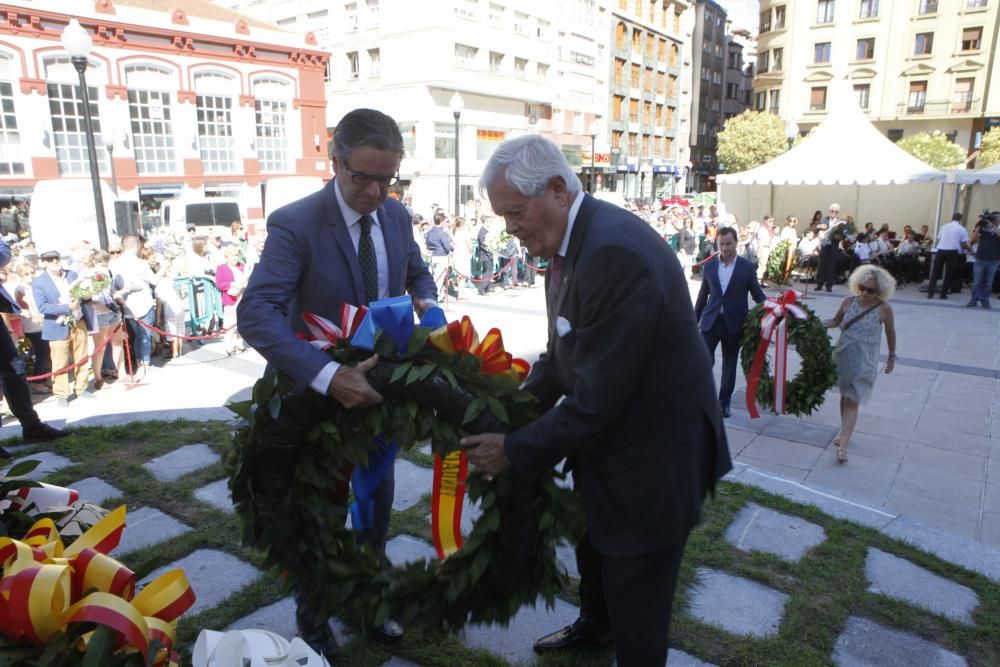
(861, 319)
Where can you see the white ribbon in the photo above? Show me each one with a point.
(252, 648)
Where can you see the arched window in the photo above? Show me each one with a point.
(11, 158)
(272, 95)
(214, 104)
(151, 118)
(69, 133)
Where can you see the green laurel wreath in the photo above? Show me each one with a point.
(806, 391)
(291, 511)
(777, 261)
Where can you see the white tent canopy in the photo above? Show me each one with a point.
(846, 160)
(985, 176)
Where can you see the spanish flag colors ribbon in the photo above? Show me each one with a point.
(773, 326)
(450, 471)
(461, 336)
(46, 586)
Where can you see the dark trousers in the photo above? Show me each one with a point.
(15, 386)
(730, 357)
(949, 262)
(632, 597)
(309, 618)
(43, 356)
(826, 274)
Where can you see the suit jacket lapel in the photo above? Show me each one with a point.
(343, 238)
(392, 251)
(569, 264)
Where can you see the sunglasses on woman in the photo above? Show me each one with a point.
(867, 290)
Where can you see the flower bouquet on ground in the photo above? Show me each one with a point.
(90, 285)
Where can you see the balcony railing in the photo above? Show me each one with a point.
(939, 107)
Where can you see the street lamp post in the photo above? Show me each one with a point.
(791, 131)
(109, 142)
(456, 104)
(595, 129)
(77, 42)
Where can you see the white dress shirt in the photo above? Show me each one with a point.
(725, 275)
(951, 236)
(321, 382)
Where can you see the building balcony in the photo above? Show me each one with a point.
(939, 107)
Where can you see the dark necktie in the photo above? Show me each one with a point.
(556, 266)
(366, 258)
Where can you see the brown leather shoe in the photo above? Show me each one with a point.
(575, 635)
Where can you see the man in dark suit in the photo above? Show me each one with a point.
(12, 374)
(639, 424)
(348, 243)
(830, 235)
(721, 308)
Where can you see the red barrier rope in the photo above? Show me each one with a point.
(217, 334)
(706, 260)
(81, 362)
(486, 280)
(536, 268)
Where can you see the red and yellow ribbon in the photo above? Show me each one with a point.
(773, 326)
(46, 586)
(450, 472)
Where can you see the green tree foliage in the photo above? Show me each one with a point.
(751, 139)
(989, 152)
(934, 148)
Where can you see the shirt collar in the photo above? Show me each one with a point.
(350, 216)
(573, 210)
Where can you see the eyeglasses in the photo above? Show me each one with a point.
(364, 180)
(867, 290)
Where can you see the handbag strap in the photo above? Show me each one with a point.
(859, 316)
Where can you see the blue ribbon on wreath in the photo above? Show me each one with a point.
(394, 317)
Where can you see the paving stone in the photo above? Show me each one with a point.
(470, 514)
(944, 544)
(514, 642)
(758, 528)
(48, 463)
(181, 461)
(677, 658)
(406, 549)
(95, 490)
(412, 483)
(214, 576)
(426, 450)
(566, 555)
(217, 495)
(899, 578)
(396, 661)
(147, 526)
(799, 430)
(279, 618)
(864, 643)
(737, 605)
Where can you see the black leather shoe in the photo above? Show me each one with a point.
(390, 631)
(320, 639)
(726, 414)
(572, 636)
(4, 454)
(42, 432)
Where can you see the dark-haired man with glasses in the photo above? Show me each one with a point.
(349, 243)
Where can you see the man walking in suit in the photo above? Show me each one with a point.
(13, 377)
(721, 308)
(346, 244)
(639, 425)
(831, 234)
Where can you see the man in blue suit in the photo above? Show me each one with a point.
(345, 244)
(722, 306)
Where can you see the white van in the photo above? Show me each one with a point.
(177, 214)
(62, 214)
(286, 189)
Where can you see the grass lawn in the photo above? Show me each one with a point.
(824, 588)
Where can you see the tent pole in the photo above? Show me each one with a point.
(771, 206)
(857, 206)
(937, 215)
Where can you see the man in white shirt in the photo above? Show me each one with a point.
(952, 244)
(134, 282)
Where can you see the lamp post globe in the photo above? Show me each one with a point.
(456, 104)
(77, 42)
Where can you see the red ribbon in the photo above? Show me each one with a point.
(773, 326)
(323, 333)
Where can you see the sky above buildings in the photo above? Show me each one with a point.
(743, 13)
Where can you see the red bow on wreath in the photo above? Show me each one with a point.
(773, 325)
(325, 333)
